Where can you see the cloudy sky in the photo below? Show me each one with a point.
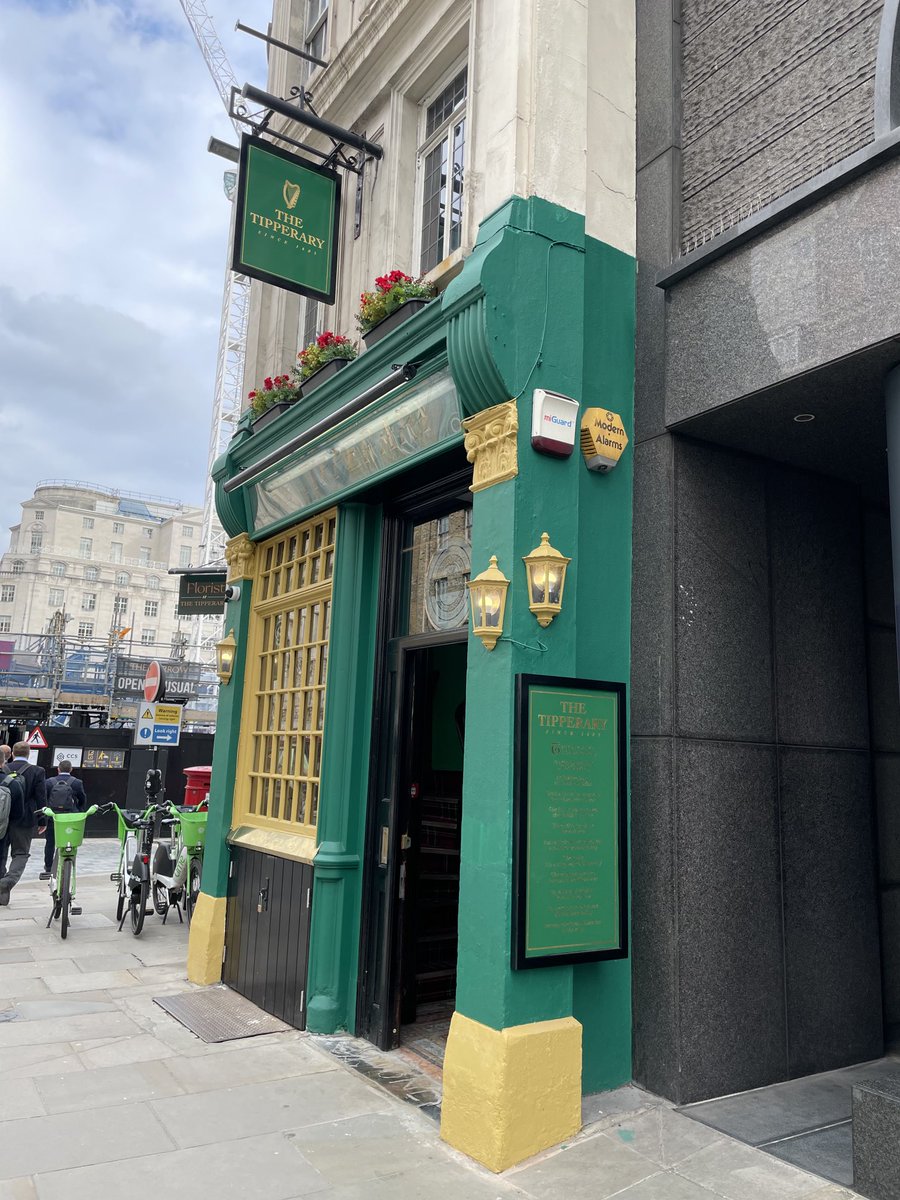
(113, 245)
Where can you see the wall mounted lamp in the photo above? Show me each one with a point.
(545, 569)
(487, 594)
(225, 652)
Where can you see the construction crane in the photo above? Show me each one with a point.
(229, 385)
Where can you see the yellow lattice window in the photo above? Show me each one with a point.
(284, 698)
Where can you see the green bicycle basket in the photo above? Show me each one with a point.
(69, 828)
(122, 825)
(193, 828)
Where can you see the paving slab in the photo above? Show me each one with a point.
(60, 1143)
(374, 1146)
(122, 1051)
(12, 974)
(18, 1189)
(267, 1165)
(263, 1107)
(15, 954)
(439, 1181)
(19, 1102)
(255, 1064)
(592, 1169)
(667, 1186)
(740, 1172)
(663, 1136)
(87, 981)
(68, 1064)
(105, 1086)
(65, 1029)
(115, 960)
(828, 1152)
(53, 1007)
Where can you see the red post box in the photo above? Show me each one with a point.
(196, 787)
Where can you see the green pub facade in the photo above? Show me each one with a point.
(401, 829)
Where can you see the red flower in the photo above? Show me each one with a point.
(251, 395)
(267, 383)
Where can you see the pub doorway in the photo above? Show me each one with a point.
(408, 947)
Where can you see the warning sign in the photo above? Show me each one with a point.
(158, 725)
(36, 739)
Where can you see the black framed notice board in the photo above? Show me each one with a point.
(570, 822)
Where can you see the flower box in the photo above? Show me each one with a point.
(323, 374)
(271, 413)
(387, 324)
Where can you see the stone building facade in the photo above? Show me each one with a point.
(101, 557)
(765, 716)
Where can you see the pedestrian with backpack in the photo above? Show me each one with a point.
(12, 806)
(21, 830)
(65, 793)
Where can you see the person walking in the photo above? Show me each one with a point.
(5, 756)
(14, 786)
(34, 786)
(65, 793)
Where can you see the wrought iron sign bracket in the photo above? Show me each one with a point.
(259, 122)
(303, 114)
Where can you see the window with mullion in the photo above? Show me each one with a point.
(442, 164)
(316, 31)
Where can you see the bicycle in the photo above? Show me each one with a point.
(180, 862)
(133, 874)
(69, 830)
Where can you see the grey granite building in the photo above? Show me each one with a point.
(765, 715)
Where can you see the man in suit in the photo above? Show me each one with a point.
(34, 783)
(64, 792)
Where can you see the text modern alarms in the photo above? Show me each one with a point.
(554, 423)
(603, 439)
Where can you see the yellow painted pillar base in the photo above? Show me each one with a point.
(207, 940)
(509, 1093)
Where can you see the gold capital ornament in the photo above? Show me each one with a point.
(239, 554)
(490, 444)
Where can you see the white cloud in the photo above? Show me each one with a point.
(115, 227)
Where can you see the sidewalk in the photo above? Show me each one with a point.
(95, 1073)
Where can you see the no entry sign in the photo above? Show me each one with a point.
(154, 682)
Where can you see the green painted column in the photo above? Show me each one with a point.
(537, 305)
(207, 936)
(338, 866)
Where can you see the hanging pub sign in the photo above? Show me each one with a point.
(286, 220)
(570, 833)
(201, 594)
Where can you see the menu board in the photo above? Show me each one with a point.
(570, 836)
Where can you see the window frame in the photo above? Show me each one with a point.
(425, 144)
(311, 32)
(259, 737)
(5, 624)
(85, 629)
(7, 593)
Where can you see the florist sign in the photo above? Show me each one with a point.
(286, 222)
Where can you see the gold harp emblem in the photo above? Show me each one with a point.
(291, 193)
